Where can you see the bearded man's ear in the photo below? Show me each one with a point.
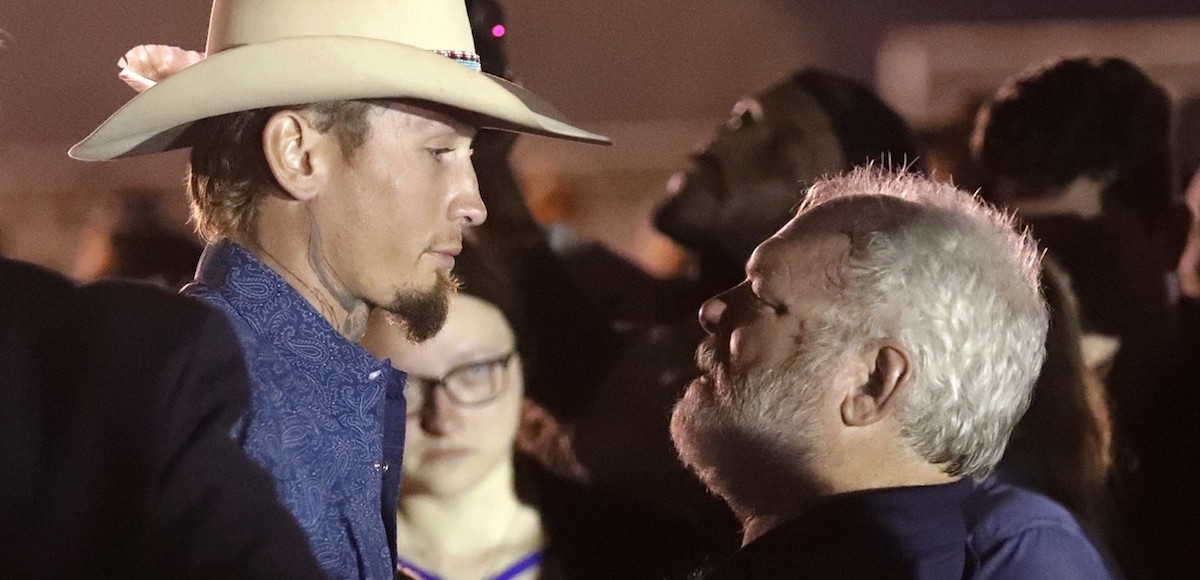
(881, 393)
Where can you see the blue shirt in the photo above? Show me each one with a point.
(977, 530)
(1018, 533)
(327, 417)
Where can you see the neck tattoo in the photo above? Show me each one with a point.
(355, 323)
(323, 305)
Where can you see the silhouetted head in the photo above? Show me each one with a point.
(745, 183)
(1096, 118)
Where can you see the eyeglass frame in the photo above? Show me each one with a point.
(430, 384)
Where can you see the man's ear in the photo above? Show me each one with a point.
(297, 154)
(879, 395)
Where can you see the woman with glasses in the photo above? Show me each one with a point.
(473, 508)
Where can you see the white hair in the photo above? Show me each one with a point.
(952, 280)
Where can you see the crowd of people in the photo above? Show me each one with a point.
(384, 368)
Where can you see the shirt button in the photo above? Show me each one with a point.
(380, 466)
(374, 375)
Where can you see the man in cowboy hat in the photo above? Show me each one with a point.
(331, 174)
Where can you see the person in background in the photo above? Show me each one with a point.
(1080, 149)
(862, 381)
(472, 507)
(116, 404)
(330, 170)
(139, 245)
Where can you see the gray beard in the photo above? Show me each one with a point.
(421, 313)
(751, 440)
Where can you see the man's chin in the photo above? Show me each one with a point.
(422, 312)
(708, 390)
(691, 420)
(681, 428)
(701, 431)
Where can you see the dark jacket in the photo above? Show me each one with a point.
(963, 530)
(117, 401)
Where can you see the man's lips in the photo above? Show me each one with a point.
(446, 254)
(449, 249)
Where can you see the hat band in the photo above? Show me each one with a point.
(467, 59)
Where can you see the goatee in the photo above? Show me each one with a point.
(422, 312)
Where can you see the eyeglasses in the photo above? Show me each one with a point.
(468, 385)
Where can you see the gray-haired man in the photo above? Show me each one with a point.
(861, 382)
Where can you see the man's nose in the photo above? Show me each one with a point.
(711, 312)
(439, 415)
(467, 208)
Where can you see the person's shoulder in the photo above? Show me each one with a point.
(152, 296)
(997, 508)
(1018, 533)
(16, 272)
(139, 305)
(119, 321)
(27, 288)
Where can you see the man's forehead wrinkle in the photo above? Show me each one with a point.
(834, 254)
(827, 239)
(787, 276)
(835, 269)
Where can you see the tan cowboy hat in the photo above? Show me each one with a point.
(267, 53)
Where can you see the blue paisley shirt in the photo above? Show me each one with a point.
(327, 417)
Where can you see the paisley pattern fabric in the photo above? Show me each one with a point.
(326, 419)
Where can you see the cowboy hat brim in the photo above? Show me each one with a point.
(311, 69)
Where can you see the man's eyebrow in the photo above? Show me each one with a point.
(447, 135)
